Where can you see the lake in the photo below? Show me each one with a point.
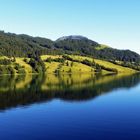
(70, 107)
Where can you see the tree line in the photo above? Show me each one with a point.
(13, 45)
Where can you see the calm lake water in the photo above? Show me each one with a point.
(70, 107)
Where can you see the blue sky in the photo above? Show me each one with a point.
(112, 22)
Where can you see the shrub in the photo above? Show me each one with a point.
(5, 61)
(11, 70)
(37, 64)
(48, 60)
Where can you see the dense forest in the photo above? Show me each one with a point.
(27, 46)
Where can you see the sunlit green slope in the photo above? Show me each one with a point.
(61, 65)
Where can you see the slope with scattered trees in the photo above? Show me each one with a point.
(23, 54)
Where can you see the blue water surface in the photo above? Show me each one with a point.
(112, 116)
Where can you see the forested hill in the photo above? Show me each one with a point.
(28, 46)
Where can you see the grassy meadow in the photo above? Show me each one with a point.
(71, 64)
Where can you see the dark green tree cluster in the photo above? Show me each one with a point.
(20, 69)
(5, 61)
(37, 64)
(60, 60)
(135, 66)
(6, 70)
(87, 62)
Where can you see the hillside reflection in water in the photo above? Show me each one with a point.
(25, 90)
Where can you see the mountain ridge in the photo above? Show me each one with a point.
(23, 45)
(72, 37)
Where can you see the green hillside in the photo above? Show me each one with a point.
(23, 54)
(14, 45)
(60, 64)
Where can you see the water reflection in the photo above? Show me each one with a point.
(24, 90)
